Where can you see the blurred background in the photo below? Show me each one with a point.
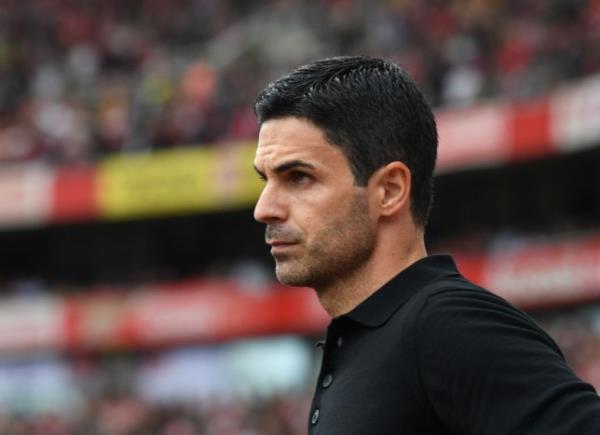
(136, 293)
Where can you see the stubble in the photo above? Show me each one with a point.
(339, 250)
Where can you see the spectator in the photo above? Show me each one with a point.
(106, 76)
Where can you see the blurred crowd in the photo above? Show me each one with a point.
(129, 415)
(80, 79)
(83, 79)
(576, 330)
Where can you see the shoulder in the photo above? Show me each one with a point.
(488, 368)
(457, 309)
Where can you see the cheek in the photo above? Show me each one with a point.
(317, 211)
(329, 223)
(308, 214)
(307, 222)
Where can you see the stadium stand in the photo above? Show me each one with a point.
(136, 296)
(150, 74)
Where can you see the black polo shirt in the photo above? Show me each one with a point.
(430, 353)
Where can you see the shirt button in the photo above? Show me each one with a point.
(315, 416)
(339, 341)
(327, 380)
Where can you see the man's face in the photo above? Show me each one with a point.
(318, 222)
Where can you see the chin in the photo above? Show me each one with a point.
(292, 276)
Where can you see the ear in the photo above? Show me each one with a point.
(391, 184)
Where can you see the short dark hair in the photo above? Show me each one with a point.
(371, 109)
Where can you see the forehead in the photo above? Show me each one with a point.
(292, 138)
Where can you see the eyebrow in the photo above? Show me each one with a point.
(286, 166)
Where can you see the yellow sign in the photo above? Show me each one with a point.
(178, 181)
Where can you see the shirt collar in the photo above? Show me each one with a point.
(379, 307)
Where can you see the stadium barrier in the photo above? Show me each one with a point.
(532, 276)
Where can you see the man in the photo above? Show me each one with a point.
(347, 149)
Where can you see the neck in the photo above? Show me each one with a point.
(345, 293)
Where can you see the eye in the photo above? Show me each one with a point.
(299, 177)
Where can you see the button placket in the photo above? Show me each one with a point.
(330, 347)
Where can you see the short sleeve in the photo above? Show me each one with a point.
(488, 369)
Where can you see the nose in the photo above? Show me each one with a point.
(270, 206)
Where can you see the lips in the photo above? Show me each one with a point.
(278, 246)
(274, 243)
